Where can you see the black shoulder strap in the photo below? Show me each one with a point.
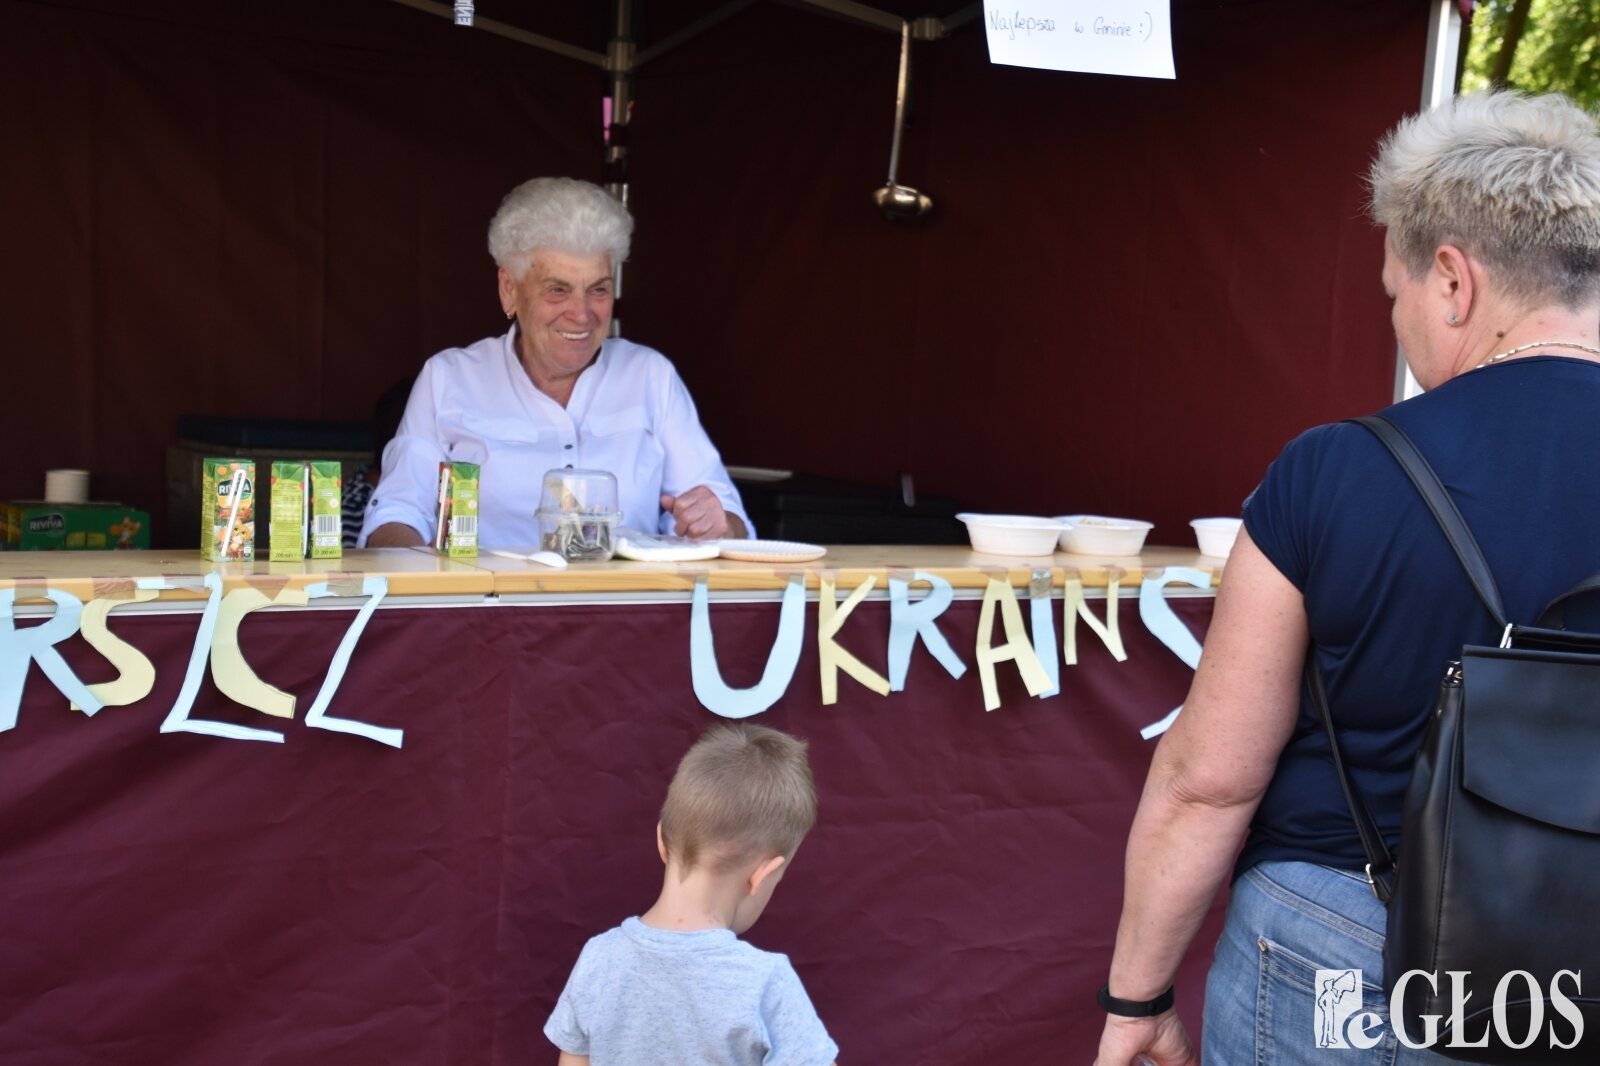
(1380, 864)
(1554, 614)
(1443, 508)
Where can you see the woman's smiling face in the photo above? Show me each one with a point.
(563, 308)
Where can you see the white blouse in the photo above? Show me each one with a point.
(629, 413)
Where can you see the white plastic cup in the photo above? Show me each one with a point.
(1216, 535)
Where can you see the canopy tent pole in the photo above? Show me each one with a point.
(1438, 85)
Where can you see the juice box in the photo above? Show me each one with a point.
(287, 537)
(327, 509)
(228, 510)
(456, 521)
(307, 510)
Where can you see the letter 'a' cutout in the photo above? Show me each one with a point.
(709, 688)
(1016, 647)
(1160, 619)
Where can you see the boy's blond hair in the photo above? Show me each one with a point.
(742, 792)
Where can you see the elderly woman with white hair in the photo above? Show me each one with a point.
(554, 391)
(1491, 211)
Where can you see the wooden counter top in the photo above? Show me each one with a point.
(421, 572)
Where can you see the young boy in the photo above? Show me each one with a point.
(676, 985)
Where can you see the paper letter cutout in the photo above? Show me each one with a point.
(136, 673)
(1162, 621)
(178, 720)
(1016, 646)
(1044, 631)
(709, 688)
(233, 676)
(830, 619)
(1074, 606)
(37, 643)
(908, 620)
(375, 588)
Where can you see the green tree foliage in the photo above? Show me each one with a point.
(1556, 50)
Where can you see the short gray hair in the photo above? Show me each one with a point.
(558, 215)
(1512, 180)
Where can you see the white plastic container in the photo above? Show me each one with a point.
(1092, 534)
(1216, 535)
(1012, 534)
(578, 514)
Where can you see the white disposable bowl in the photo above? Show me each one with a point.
(1216, 535)
(1092, 534)
(1012, 534)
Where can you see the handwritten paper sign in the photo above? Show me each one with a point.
(1128, 37)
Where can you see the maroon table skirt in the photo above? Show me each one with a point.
(186, 900)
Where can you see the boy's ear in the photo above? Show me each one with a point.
(764, 871)
(661, 843)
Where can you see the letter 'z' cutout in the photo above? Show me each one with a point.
(375, 588)
(709, 688)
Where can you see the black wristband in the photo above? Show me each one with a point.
(1135, 1008)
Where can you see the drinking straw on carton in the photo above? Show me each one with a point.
(233, 509)
(305, 512)
(444, 495)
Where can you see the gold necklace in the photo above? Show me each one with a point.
(1536, 344)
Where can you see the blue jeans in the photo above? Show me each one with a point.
(1267, 1005)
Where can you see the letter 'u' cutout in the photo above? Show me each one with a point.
(18, 646)
(831, 658)
(908, 621)
(1160, 619)
(1016, 647)
(709, 688)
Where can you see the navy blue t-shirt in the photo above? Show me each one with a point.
(1518, 447)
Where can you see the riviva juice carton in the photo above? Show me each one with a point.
(228, 510)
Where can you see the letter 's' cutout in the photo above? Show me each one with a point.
(1160, 619)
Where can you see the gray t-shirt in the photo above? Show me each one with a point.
(640, 996)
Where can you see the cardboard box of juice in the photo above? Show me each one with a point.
(306, 507)
(456, 521)
(228, 510)
(35, 525)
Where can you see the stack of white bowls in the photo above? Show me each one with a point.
(66, 486)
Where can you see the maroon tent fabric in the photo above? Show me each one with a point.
(186, 900)
(1131, 293)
